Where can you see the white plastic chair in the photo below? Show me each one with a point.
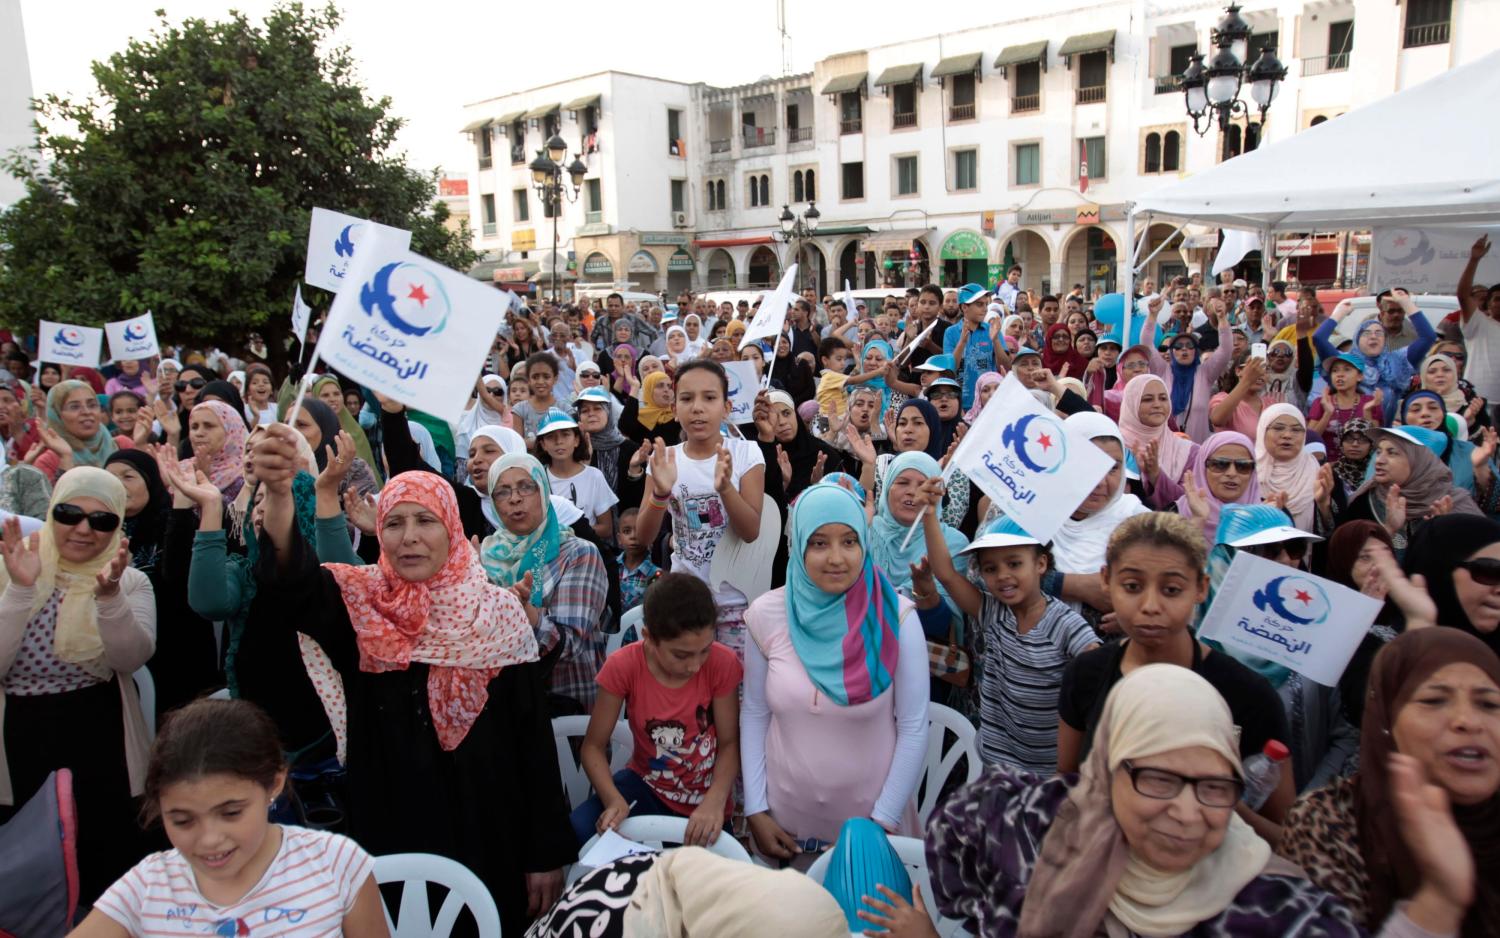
(575, 780)
(913, 854)
(940, 763)
(613, 642)
(661, 831)
(145, 689)
(414, 871)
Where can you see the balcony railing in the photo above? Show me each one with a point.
(1431, 34)
(485, 162)
(851, 125)
(1091, 95)
(907, 119)
(1025, 102)
(799, 134)
(593, 218)
(489, 229)
(719, 146)
(517, 156)
(1323, 64)
(759, 137)
(1167, 84)
(961, 112)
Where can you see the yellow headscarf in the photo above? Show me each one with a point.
(650, 415)
(349, 423)
(77, 636)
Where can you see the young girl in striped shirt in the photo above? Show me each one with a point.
(215, 769)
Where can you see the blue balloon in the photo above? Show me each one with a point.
(1110, 308)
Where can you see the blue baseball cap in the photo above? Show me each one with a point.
(1024, 350)
(1348, 358)
(555, 420)
(1253, 525)
(594, 396)
(971, 292)
(939, 363)
(1002, 532)
(944, 383)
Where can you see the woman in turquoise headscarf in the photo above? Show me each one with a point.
(75, 433)
(871, 363)
(568, 586)
(835, 707)
(900, 505)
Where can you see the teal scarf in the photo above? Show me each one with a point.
(508, 557)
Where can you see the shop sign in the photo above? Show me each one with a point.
(523, 239)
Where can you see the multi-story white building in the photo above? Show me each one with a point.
(940, 158)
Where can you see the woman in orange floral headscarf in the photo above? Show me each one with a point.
(429, 676)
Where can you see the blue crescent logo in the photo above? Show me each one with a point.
(343, 245)
(69, 337)
(1293, 598)
(131, 335)
(1038, 442)
(1414, 242)
(408, 297)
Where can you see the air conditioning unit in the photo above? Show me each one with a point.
(679, 220)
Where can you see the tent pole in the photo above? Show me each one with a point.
(1159, 248)
(1128, 287)
(1267, 251)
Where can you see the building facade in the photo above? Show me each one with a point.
(945, 158)
(15, 95)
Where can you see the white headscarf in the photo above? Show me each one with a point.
(480, 415)
(1297, 477)
(1079, 545)
(509, 442)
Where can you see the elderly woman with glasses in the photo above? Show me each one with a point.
(75, 433)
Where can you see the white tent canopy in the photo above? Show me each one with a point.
(1428, 155)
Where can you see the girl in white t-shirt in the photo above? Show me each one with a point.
(708, 484)
(560, 447)
(215, 769)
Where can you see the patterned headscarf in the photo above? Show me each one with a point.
(508, 557)
(92, 451)
(226, 468)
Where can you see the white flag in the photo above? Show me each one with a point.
(301, 316)
(1269, 610)
(411, 329)
(1024, 457)
(333, 238)
(772, 313)
(743, 387)
(132, 339)
(62, 344)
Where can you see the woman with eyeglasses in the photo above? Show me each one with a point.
(1410, 484)
(1472, 464)
(75, 621)
(1289, 372)
(1434, 696)
(1189, 375)
(1288, 472)
(75, 433)
(1222, 474)
(1145, 841)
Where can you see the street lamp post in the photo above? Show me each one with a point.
(796, 229)
(1216, 87)
(547, 178)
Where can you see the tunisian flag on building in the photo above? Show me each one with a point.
(1083, 171)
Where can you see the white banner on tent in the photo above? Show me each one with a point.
(1025, 459)
(1429, 260)
(772, 313)
(411, 329)
(62, 344)
(132, 339)
(301, 316)
(1272, 611)
(333, 238)
(743, 386)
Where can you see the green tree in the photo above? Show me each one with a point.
(188, 183)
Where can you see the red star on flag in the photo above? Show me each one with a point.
(1304, 597)
(418, 293)
(1400, 242)
(1044, 441)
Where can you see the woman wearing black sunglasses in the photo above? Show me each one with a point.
(1459, 555)
(75, 621)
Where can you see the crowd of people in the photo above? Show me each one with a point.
(397, 606)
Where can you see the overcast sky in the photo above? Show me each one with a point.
(433, 56)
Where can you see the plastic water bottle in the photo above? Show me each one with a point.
(1263, 773)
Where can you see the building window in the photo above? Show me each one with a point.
(961, 106)
(1151, 162)
(1171, 151)
(851, 113)
(906, 175)
(676, 146)
(1178, 59)
(551, 124)
(760, 190)
(522, 201)
(1093, 68)
(517, 143)
(593, 201)
(482, 141)
(679, 195)
(853, 181)
(1340, 41)
(1271, 39)
(588, 120)
(1317, 120)
(1427, 22)
(1026, 87)
(965, 170)
(804, 185)
(797, 192)
(1091, 152)
(904, 105)
(487, 212)
(716, 201)
(1028, 163)
(1242, 138)
(811, 183)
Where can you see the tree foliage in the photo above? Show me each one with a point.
(187, 185)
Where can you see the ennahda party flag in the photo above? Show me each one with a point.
(410, 328)
(769, 319)
(132, 339)
(62, 344)
(333, 239)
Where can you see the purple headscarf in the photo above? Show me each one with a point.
(1250, 496)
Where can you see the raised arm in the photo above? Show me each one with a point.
(1477, 253)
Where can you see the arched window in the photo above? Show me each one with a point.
(797, 186)
(765, 190)
(812, 190)
(712, 202)
(720, 187)
(1171, 151)
(754, 193)
(1153, 153)
(1233, 146)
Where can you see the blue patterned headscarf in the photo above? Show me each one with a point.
(878, 383)
(508, 557)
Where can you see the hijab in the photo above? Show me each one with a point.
(650, 415)
(509, 557)
(1174, 454)
(226, 468)
(935, 447)
(604, 445)
(1280, 385)
(226, 392)
(509, 442)
(349, 423)
(1250, 496)
(1398, 671)
(690, 891)
(1114, 397)
(1344, 545)
(466, 629)
(1183, 377)
(1435, 547)
(1453, 399)
(147, 528)
(986, 380)
(88, 376)
(619, 381)
(846, 641)
(687, 352)
(1055, 360)
(1080, 543)
(328, 426)
(803, 448)
(1430, 478)
(1351, 471)
(1086, 869)
(887, 534)
(90, 452)
(480, 415)
(1297, 477)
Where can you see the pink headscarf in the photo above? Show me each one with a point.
(1250, 496)
(226, 468)
(1297, 477)
(1173, 453)
(1116, 394)
(988, 379)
